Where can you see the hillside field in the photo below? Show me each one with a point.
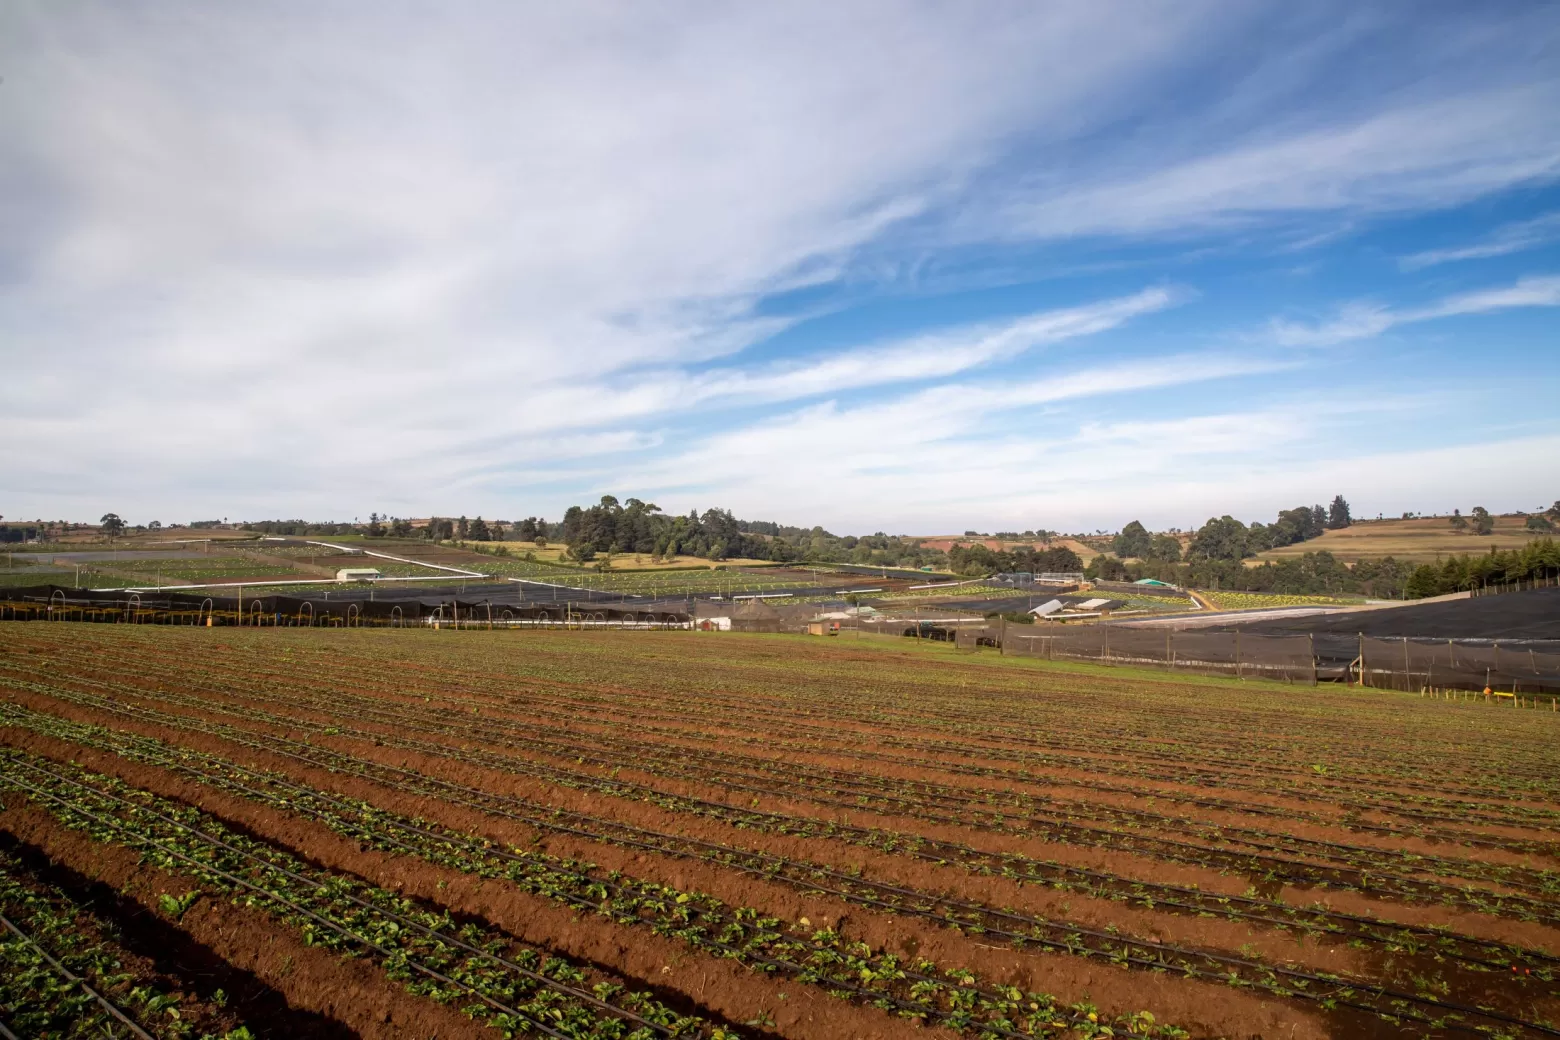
(1422, 540)
(392, 833)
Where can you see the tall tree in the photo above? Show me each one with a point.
(1134, 542)
(1483, 522)
(112, 525)
(1338, 514)
(1221, 538)
(1165, 548)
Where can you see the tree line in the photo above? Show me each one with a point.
(635, 526)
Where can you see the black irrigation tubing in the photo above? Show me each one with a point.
(484, 802)
(935, 795)
(1166, 848)
(73, 978)
(133, 838)
(1153, 963)
(454, 838)
(735, 952)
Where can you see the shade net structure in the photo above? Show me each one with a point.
(498, 607)
(1518, 666)
(1212, 653)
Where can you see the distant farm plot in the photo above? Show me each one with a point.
(1259, 600)
(1421, 539)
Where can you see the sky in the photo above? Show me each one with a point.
(910, 267)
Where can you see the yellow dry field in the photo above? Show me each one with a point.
(1421, 540)
(553, 553)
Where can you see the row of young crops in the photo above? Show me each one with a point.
(989, 850)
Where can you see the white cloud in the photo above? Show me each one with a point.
(275, 262)
(1358, 321)
(1504, 240)
(1432, 154)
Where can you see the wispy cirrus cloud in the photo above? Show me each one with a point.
(1504, 240)
(1356, 321)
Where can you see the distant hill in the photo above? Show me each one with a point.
(1420, 540)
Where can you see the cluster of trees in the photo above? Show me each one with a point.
(439, 529)
(1134, 542)
(1477, 522)
(1226, 538)
(296, 528)
(979, 560)
(1539, 558)
(1311, 574)
(634, 526)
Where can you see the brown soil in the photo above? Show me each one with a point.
(340, 990)
(724, 987)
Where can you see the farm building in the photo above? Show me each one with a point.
(755, 616)
(357, 574)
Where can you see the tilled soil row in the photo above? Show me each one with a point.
(1295, 871)
(156, 960)
(877, 939)
(329, 991)
(1370, 784)
(836, 773)
(633, 812)
(1211, 1010)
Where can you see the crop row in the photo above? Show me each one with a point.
(513, 987)
(1322, 787)
(822, 957)
(1534, 906)
(1414, 949)
(1051, 818)
(1154, 756)
(1151, 733)
(662, 739)
(60, 976)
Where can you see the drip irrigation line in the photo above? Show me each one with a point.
(733, 951)
(339, 929)
(72, 978)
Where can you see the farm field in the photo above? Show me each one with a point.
(1421, 540)
(387, 833)
(1257, 600)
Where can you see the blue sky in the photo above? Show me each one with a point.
(877, 266)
